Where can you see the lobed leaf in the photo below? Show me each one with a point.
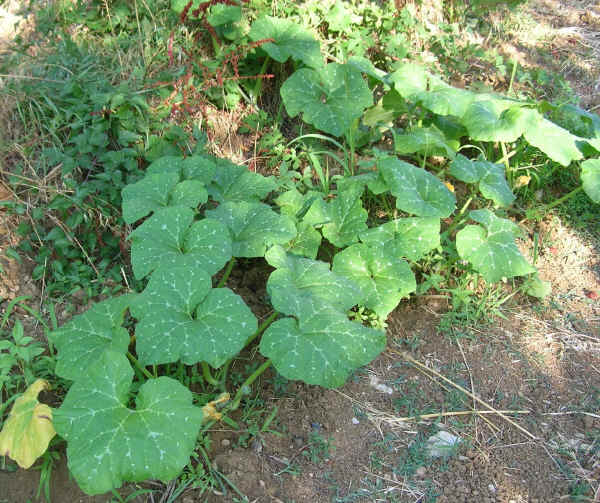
(347, 217)
(428, 141)
(491, 248)
(86, 337)
(331, 98)
(235, 183)
(411, 238)
(183, 318)
(253, 227)
(322, 347)
(150, 194)
(290, 40)
(169, 236)
(108, 443)
(298, 279)
(492, 182)
(416, 190)
(383, 278)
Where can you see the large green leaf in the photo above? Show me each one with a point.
(236, 183)
(160, 190)
(253, 226)
(168, 236)
(330, 98)
(590, 177)
(151, 193)
(383, 278)
(109, 443)
(298, 279)
(555, 141)
(492, 182)
(410, 79)
(306, 242)
(290, 40)
(322, 347)
(87, 336)
(491, 248)
(196, 167)
(347, 217)
(411, 238)
(491, 120)
(446, 100)
(416, 190)
(183, 318)
(427, 141)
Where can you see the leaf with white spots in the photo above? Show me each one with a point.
(492, 182)
(446, 100)
(330, 99)
(410, 79)
(322, 347)
(306, 242)
(347, 217)
(199, 167)
(87, 336)
(383, 278)
(236, 183)
(253, 227)
(189, 193)
(416, 190)
(491, 249)
(298, 279)
(168, 236)
(183, 318)
(151, 193)
(166, 164)
(590, 177)
(109, 444)
(290, 40)
(411, 238)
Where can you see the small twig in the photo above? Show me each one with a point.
(410, 359)
(571, 413)
(28, 77)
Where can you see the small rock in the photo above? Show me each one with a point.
(421, 471)
(261, 483)
(355, 421)
(298, 441)
(442, 444)
(225, 442)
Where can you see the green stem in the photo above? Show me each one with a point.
(457, 221)
(247, 383)
(143, 370)
(208, 376)
(259, 81)
(512, 77)
(544, 209)
(227, 272)
(262, 327)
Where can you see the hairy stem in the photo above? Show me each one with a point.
(138, 365)
(264, 325)
(247, 383)
(208, 376)
(227, 272)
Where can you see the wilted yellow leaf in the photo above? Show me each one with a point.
(449, 186)
(28, 429)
